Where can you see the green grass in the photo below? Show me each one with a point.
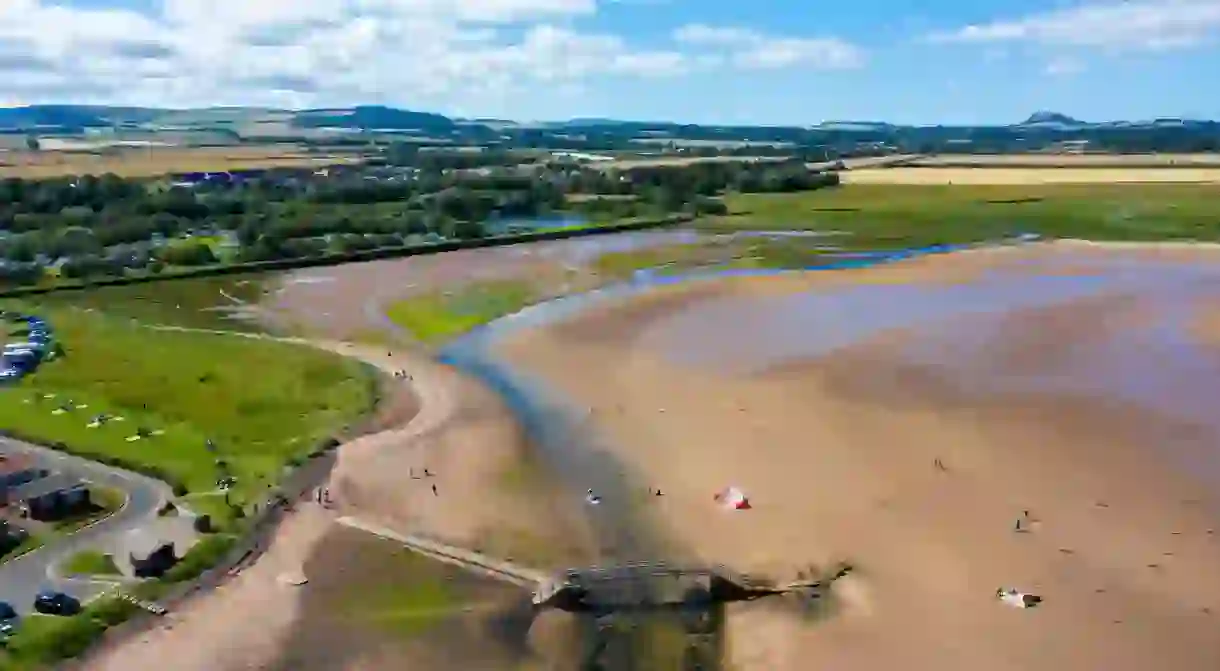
(262, 403)
(43, 640)
(186, 302)
(90, 562)
(884, 216)
(408, 606)
(436, 317)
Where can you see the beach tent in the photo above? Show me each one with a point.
(732, 498)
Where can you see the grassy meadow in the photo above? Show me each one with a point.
(261, 403)
(438, 316)
(898, 215)
(197, 302)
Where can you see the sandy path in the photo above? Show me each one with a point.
(839, 455)
(461, 434)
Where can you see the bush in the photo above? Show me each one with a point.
(111, 611)
(203, 556)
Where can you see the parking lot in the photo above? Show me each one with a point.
(33, 344)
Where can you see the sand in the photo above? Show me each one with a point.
(487, 498)
(840, 455)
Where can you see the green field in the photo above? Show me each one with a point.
(881, 216)
(260, 402)
(185, 302)
(436, 317)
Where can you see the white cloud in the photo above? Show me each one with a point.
(758, 51)
(1135, 25)
(418, 53)
(1064, 67)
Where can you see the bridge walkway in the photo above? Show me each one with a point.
(470, 560)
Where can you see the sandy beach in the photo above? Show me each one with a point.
(913, 450)
(487, 497)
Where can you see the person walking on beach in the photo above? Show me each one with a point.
(434, 492)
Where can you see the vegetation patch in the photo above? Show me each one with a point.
(90, 562)
(188, 407)
(403, 593)
(895, 215)
(198, 302)
(436, 317)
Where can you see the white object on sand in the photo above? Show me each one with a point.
(292, 579)
(732, 498)
(1018, 599)
(592, 499)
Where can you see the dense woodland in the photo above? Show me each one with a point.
(88, 226)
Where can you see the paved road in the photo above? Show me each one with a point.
(21, 579)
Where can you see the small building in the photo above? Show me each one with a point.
(51, 497)
(150, 555)
(16, 470)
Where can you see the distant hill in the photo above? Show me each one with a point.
(72, 116)
(373, 117)
(1047, 118)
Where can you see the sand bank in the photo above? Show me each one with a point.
(916, 469)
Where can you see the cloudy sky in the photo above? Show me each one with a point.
(707, 61)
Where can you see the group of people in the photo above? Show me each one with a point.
(593, 499)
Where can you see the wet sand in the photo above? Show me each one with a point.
(916, 412)
(347, 301)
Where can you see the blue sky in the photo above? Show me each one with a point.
(704, 61)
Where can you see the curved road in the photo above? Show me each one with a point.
(22, 578)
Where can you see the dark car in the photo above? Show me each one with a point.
(7, 612)
(56, 603)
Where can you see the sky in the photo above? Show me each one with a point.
(783, 62)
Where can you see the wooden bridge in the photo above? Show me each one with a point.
(615, 587)
(650, 584)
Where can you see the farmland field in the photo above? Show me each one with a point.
(1069, 160)
(998, 175)
(895, 215)
(155, 161)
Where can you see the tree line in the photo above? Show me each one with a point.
(98, 225)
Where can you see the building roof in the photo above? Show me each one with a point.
(54, 482)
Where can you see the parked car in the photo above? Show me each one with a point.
(56, 603)
(7, 612)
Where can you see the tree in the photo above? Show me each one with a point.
(191, 253)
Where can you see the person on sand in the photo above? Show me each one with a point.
(1022, 523)
(434, 492)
